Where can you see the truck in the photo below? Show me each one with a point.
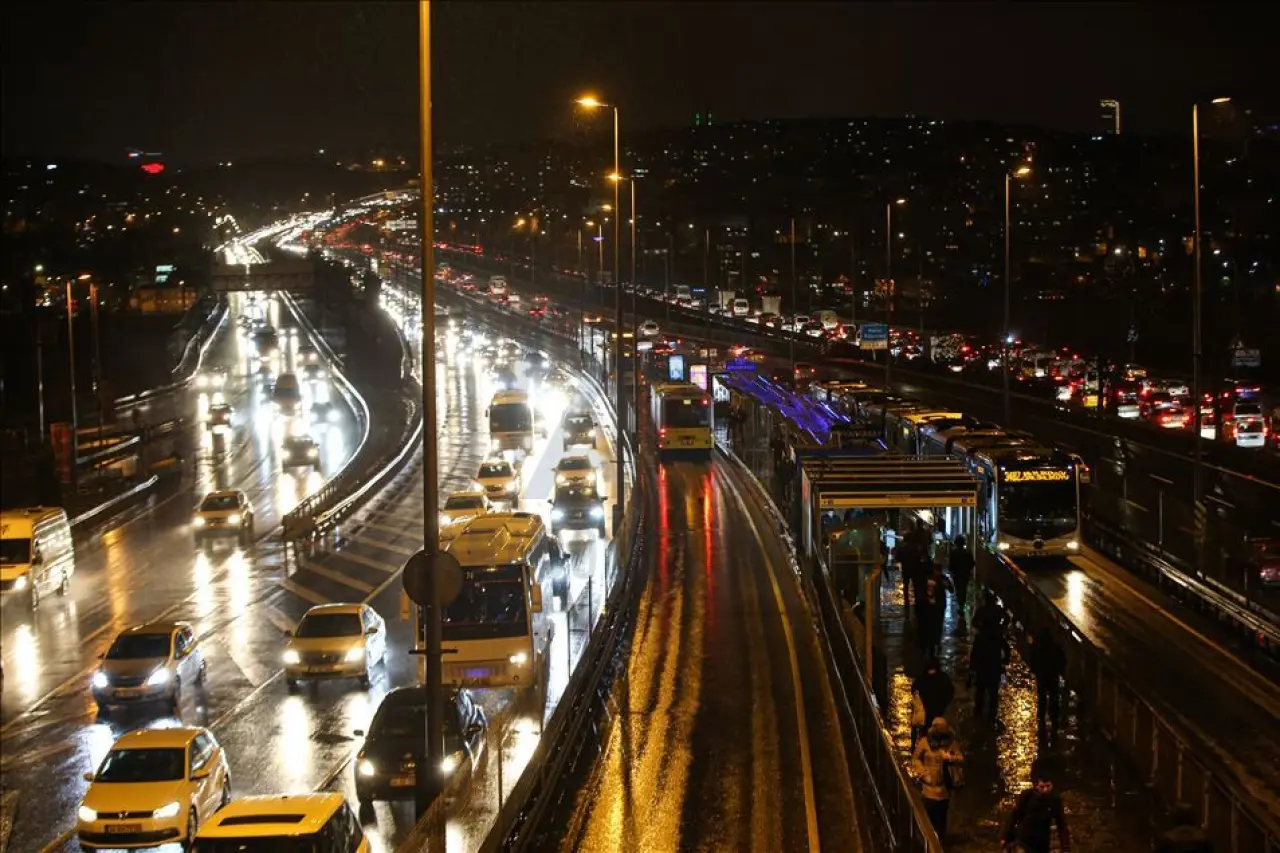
(724, 299)
(498, 286)
(771, 304)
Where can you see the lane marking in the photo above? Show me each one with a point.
(382, 545)
(337, 577)
(385, 528)
(367, 561)
(802, 723)
(303, 592)
(275, 617)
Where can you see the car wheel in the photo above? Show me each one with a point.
(193, 826)
(65, 585)
(291, 684)
(365, 681)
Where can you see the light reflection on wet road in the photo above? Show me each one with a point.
(705, 751)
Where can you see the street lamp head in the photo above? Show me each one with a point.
(606, 207)
(1022, 171)
(900, 201)
(590, 102)
(1221, 101)
(519, 223)
(615, 177)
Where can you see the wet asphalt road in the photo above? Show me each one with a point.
(725, 736)
(148, 568)
(1179, 660)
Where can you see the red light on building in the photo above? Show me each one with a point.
(153, 168)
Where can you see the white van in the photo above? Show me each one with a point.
(829, 320)
(37, 554)
(741, 307)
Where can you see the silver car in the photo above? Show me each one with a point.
(149, 663)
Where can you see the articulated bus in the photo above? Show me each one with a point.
(683, 420)
(1029, 499)
(496, 633)
(902, 427)
(511, 422)
(939, 439)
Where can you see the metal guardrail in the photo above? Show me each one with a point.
(903, 824)
(115, 502)
(1157, 747)
(300, 522)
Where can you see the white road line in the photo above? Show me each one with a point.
(383, 545)
(380, 565)
(386, 528)
(337, 577)
(275, 617)
(802, 723)
(302, 592)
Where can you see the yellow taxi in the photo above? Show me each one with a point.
(335, 641)
(292, 822)
(155, 786)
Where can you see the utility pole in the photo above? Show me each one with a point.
(71, 354)
(430, 463)
(888, 285)
(795, 304)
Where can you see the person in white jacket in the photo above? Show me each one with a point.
(936, 764)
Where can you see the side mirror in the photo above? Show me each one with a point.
(88, 777)
(474, 729)
(358, 732)
(537, 599)
(286, 632)
(202, 773)
(373, 629)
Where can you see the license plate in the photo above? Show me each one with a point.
(402, 781)
(320, 669)
(128, 692)
(122, 828)
(686, 440)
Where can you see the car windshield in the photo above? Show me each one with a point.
(143, 765)
(1248, 410)
(139, 647)
(330, 625)
(400, 720)
(575, 463)
(486, 609)
(495, 469)
(218, 503)
(464, 502)
(15, 550)
(578, 423)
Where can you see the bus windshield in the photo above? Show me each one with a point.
(1038, 510)
(685, 414)
(487, 609)
(510, 417)
(15, 550)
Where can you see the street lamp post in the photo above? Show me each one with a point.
(795, 303)
(430, 465)
(620, 401)
(1197, 332)
(582, 296)
(71, 354)
(888, 285)
(1006, 336)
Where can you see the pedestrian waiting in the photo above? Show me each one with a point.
(937, 765)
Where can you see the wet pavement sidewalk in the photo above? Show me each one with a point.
(1107, 808)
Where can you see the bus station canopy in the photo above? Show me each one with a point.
(886, 482)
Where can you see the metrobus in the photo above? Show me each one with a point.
(940, 438)
(1028, 499)
(511, 421)
(496, 632)
(902, 427)
(682, 418)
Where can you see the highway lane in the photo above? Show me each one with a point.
(145, 568)
(724, 735)
(278, 742)
(1172, 658)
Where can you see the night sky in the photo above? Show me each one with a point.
(235, 80)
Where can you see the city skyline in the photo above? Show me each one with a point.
(266, 76)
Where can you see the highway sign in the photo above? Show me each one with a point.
(874, 336)
(740, 364)
(1244, 357)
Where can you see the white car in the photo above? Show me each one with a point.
(649, 328)
(576, 469)
(335, 641)
(463, 506)
(155, 786)
(212, 380)
(498, 479)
